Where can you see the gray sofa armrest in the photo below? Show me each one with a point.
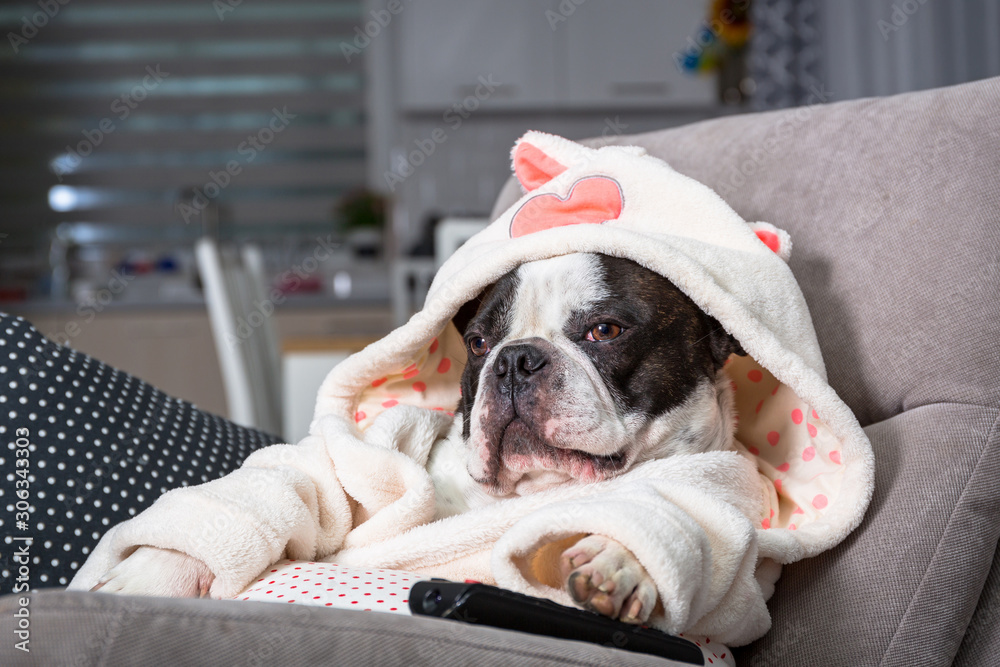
(80, 629)
(901, 589)
(981, 643)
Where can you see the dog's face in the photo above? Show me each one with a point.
(584, 365)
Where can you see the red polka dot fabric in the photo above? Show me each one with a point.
(429, 380)
(330, 585)
(713, 653)
(790, 444)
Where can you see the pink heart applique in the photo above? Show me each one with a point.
(591, 200)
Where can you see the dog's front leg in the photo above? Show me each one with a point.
(604, 576)
(160, 572)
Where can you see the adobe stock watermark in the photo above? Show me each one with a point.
(921, 163)
(612, 129)
(900, 16)
(248, 151)
(565, 10)
(781, 133)
(291, 279)
(223, 7)
(31, 24)
(792, 633)
(121, 108)
(91, 308)
(38, 365)
(453, 118)
(381, 18)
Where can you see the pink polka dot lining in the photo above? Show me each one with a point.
(380, 590)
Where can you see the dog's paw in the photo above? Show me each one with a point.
(160, 572)
(604, 576)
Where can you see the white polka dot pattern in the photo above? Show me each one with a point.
(330, 585)
(104, 446)
(713, 653)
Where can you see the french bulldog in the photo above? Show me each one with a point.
(580, 367)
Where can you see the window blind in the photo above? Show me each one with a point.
(116, 111)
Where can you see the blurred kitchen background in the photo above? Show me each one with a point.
(226, 197)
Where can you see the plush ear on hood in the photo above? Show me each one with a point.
(776, 239)
(538, 157)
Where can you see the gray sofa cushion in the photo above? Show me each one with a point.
(893, 206)
(901, 589)
(74, 628)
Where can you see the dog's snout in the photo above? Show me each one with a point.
(519, 361)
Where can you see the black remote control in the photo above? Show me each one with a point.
(489, 605)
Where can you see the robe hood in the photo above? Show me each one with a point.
(815, 462)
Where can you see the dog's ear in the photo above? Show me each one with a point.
(465, 314)
(722, 344)
(776, 239)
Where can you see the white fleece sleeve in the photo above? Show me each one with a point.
(691, 522)
(286, 501)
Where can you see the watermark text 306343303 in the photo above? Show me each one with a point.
(21, 540)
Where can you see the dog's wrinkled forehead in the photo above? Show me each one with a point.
(536, 297)
(550, 291)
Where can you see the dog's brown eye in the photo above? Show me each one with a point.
(478, 346)
(604, 331)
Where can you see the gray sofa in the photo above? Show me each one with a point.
(894, 210)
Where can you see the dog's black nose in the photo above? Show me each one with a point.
(519, 361)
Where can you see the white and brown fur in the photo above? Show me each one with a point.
(545, 405)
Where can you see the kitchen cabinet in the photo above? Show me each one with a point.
(448, 48)
(557, 54)
(624, 54)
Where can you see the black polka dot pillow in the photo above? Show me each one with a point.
(85, 446)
